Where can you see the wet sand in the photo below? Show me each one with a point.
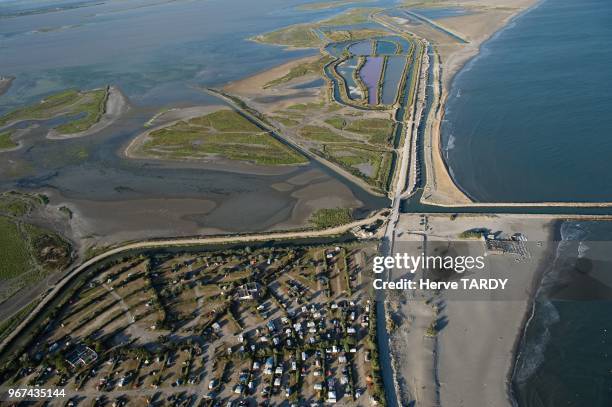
(108, 222)
(267, 100)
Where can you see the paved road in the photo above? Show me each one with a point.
(195, 241)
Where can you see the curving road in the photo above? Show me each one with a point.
(177, 242)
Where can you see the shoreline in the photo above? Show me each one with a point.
(116, 106)
(546, 263)
(132, 150)
(473, 354)
(448, 71)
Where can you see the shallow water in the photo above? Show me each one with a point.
(565, 353)
(346, 69)
(159, 53)
(370, 75)
(385, 48)
(393, 74)
(530, 118)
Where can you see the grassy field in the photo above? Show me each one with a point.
(223, 133)
(318, 133)
(306, 36)
(286, 121)
(14, 204)
(88, 105)
(301, 35)
(326, 218)
(16, 258)
(379, 131)
(92, 107)
(337, 122)
(348, 35)
(371, 164)
(25, 246)
(6, 141)
(28, 252)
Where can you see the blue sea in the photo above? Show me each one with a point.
(530, 118)
(565, 356)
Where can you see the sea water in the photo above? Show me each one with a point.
(565, 355)
(530, 118)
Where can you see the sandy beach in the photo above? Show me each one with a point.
(485, 18)
(469, 361)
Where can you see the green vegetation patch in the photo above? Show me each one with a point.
(50, 251)
(303, 107)
(307, 68)
(27, 248)
(302, 35)
(471, 234)
(337, 122)
(89, 106)
(373, 165)
(16, 258)
(286, 121)
(6, 141)
(223, 133)
(379, 131)
(327, 218)
(349, 35)
(15, 204)
(308, 35)
(318, 133)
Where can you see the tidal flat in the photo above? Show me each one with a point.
(114, 198)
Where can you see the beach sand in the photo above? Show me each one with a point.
(486, 17)
(252, 88)
(469, 362)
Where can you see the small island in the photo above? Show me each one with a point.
(220, 133)
(87, 112)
